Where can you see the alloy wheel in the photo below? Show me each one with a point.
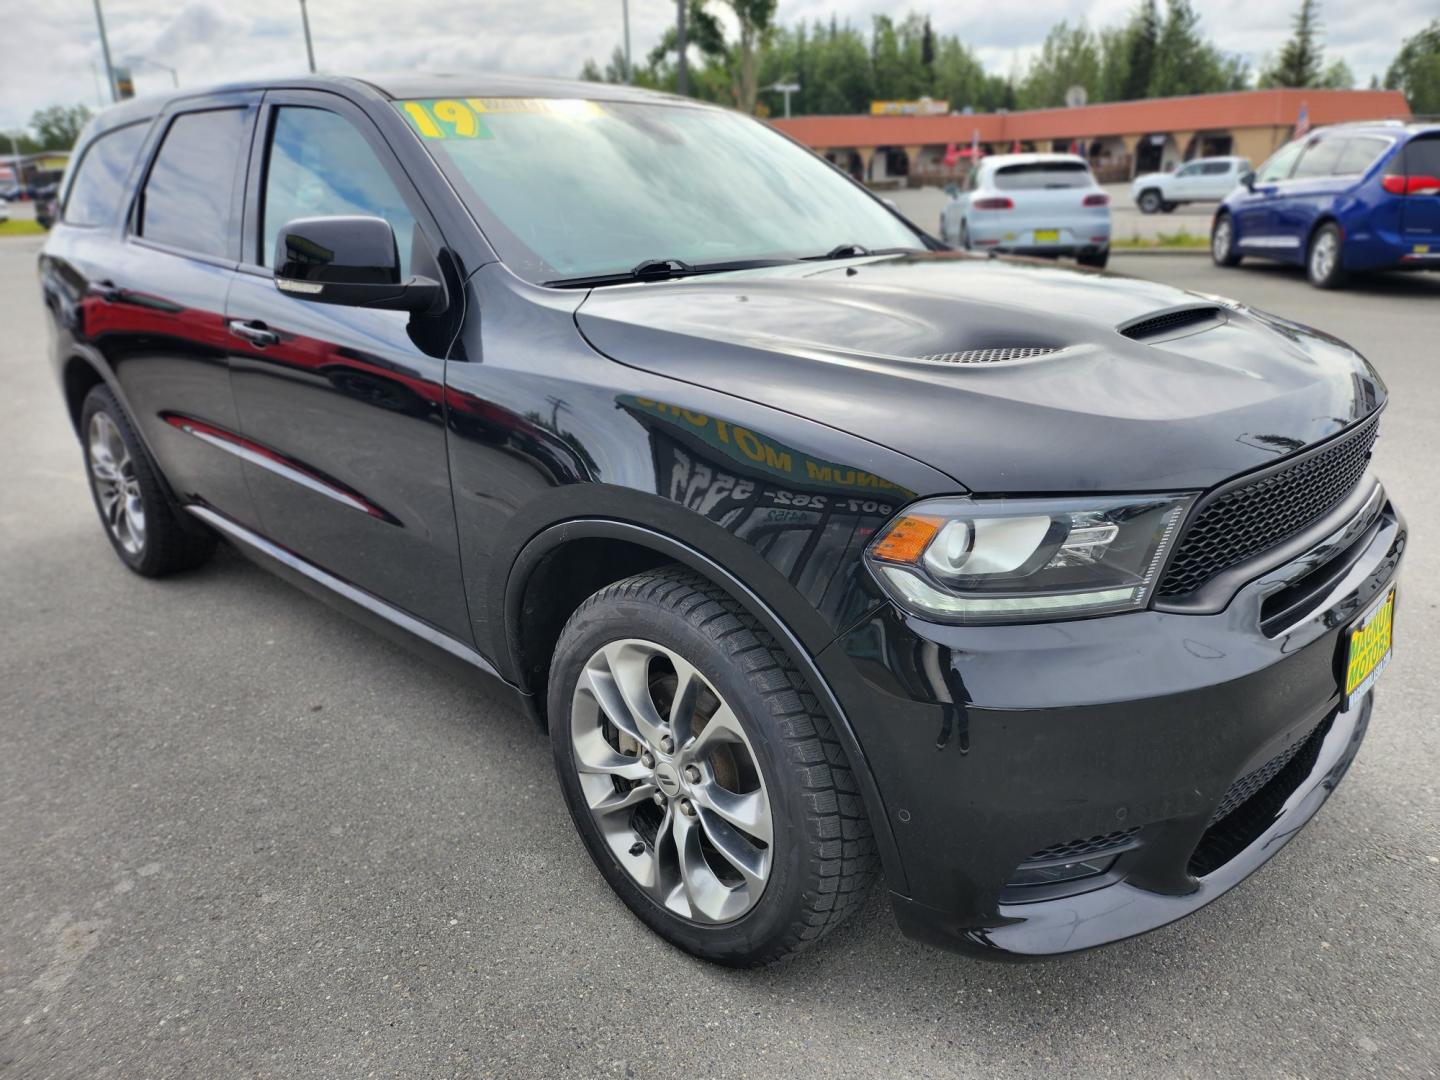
(116, 486)
(1220, 240)
(1323, 255)
(672, 781)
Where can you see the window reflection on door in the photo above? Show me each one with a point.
(320, 166)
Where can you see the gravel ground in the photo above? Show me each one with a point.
(241, 836)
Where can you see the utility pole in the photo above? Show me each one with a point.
(625, 14)
(680, 75)
(309, 45)
(105, 48)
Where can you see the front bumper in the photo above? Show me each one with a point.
(991, 745)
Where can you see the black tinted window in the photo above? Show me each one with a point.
(320, 166)
(188, 197)
(1422, 156)
(1039, 175)
(1320, 159)
(98, 190)
(1360, 153)
(1215, 168)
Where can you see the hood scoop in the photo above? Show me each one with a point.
(1173, 322)
(991, 356)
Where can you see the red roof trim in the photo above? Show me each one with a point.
(1204, 112)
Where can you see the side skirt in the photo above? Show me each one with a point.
(364, 607)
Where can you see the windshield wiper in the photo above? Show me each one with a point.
(663, 270)
(840, 251)
(853, 251)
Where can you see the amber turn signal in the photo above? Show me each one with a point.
(905, 541)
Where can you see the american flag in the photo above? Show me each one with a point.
(1302, 122)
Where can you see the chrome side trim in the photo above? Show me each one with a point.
(279, 468)
(1270, 241)
(360, 597)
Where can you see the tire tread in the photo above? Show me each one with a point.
(840, 847)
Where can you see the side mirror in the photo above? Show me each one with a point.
(348, 260)
(1248, 179)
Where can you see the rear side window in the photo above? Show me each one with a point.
(1320, 159)
(98, 190)
(1421, 157)
(1040, 175)
(1216, 168)
(188, 198)
(1360, 153)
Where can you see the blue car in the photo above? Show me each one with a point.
(1339, 200)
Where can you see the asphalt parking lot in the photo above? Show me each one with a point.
(242, 836)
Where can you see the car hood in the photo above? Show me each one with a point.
(1217, 390)
(1148, 178)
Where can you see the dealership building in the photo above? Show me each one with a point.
(1122, 139)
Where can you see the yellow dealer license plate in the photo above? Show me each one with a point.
(1370, 648)
(1047, 236)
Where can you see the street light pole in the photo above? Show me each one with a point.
(625, 12)
(174, 74)
(105, 48)
(309, 45)
(680, 75)
(786, 88)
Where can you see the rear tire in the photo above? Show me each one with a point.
(1324, 258)
(1097, 259)
(648, 800)
(140, 519)
(1149, 201)
(964, 235)
(1222, 242)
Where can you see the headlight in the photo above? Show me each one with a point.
(1018, 560)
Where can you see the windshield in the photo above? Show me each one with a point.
(569, 189)
(1040, 175)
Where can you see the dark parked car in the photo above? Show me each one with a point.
(820, 551)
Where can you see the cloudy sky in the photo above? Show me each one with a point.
(49, 50)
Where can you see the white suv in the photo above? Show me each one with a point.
(1030, 204)
(1201, 180)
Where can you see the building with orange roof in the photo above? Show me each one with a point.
(1121, 139)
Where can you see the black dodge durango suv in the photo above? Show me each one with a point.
(821, 551)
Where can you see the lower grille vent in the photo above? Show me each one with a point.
(1252, 803)
(1085, 845)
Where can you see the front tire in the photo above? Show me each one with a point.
(140, 519)
(1324, 262)
(1149, 201)
(1222, 242)
(702, 774)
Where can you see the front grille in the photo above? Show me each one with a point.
(1169, 321)
(1252, 516)
(1084, 846)
(990, 356)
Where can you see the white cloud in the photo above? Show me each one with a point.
(51, 51)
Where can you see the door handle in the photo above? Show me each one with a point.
(106, 290)
(254, 331)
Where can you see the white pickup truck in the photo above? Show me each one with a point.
(1201, 180)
